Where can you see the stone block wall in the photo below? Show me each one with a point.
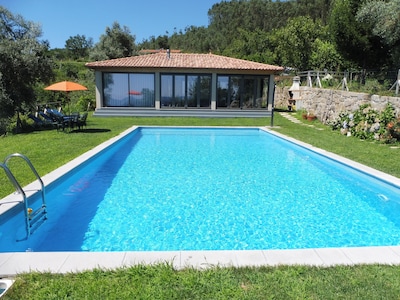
(327, 104)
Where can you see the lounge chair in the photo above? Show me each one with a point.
(61, 120)
(47, 119)
(38, 122)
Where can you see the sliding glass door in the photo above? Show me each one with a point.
(129, 89)
(182, 90)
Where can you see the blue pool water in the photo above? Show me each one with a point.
(210, 189)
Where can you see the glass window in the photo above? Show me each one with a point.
(249, 92)
(166, 90)
(222, 91)
(235, 91)
(192, 91)
(205, 91)
(180, 88)
(263, 90)
(115, 89)
(242, 91)
(123, 89)
(141, 90)
(185, 90)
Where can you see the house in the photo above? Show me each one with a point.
(170, 83)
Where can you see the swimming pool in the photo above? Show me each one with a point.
(210, 189)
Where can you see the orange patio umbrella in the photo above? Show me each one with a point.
(66, 86)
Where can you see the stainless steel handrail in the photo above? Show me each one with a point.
(30, 216)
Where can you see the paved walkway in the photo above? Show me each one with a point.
(290, 117)
(297, 121)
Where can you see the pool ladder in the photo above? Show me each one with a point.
(33, 218)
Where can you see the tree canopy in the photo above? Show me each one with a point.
(117, 42)
(302, 34)
(332, 34)
(24, 62)
(384, 17)
(78, 46)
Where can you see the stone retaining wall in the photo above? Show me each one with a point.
(327, 104)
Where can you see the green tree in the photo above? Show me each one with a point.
(162, 41)
(117, 42)
(294, 43)
(78, 46)
(325, 56)
(251, 45)
(384, 19)
(197, 39)
(354, 40)
(315, 9)
(24, 62)
(226, 17)
(149, 43)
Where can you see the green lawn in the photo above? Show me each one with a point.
(51, 149)
(163, 282)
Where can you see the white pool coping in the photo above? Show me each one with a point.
(13, 263)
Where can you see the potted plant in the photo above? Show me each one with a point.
(311, 117)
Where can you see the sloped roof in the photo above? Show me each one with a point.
(183, 61)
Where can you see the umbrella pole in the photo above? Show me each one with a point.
(69, 103)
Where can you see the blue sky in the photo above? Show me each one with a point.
(61, 19)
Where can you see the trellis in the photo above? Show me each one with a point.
(314, 78)
(396, 84)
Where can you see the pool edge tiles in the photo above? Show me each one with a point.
(12, 264)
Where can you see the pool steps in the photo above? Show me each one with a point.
(33, 217)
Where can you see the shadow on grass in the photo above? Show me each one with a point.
(91, 130)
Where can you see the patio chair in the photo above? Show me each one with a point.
(81, 120)
(74, 119)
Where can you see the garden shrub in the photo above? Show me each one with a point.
(369, 124)
(393, 131)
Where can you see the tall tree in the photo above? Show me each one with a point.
(384, 19)
(251, 45)
(294, 43)
(315, 9)
(23, 62)
(354, 39)
(117, 42)
(78, 46)
(227, 17)
(325, 56)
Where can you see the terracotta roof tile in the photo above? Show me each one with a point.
(183, 61)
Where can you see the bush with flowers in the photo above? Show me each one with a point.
(369, 124)
(393, 131)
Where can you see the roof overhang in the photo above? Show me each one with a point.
(184, 63)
